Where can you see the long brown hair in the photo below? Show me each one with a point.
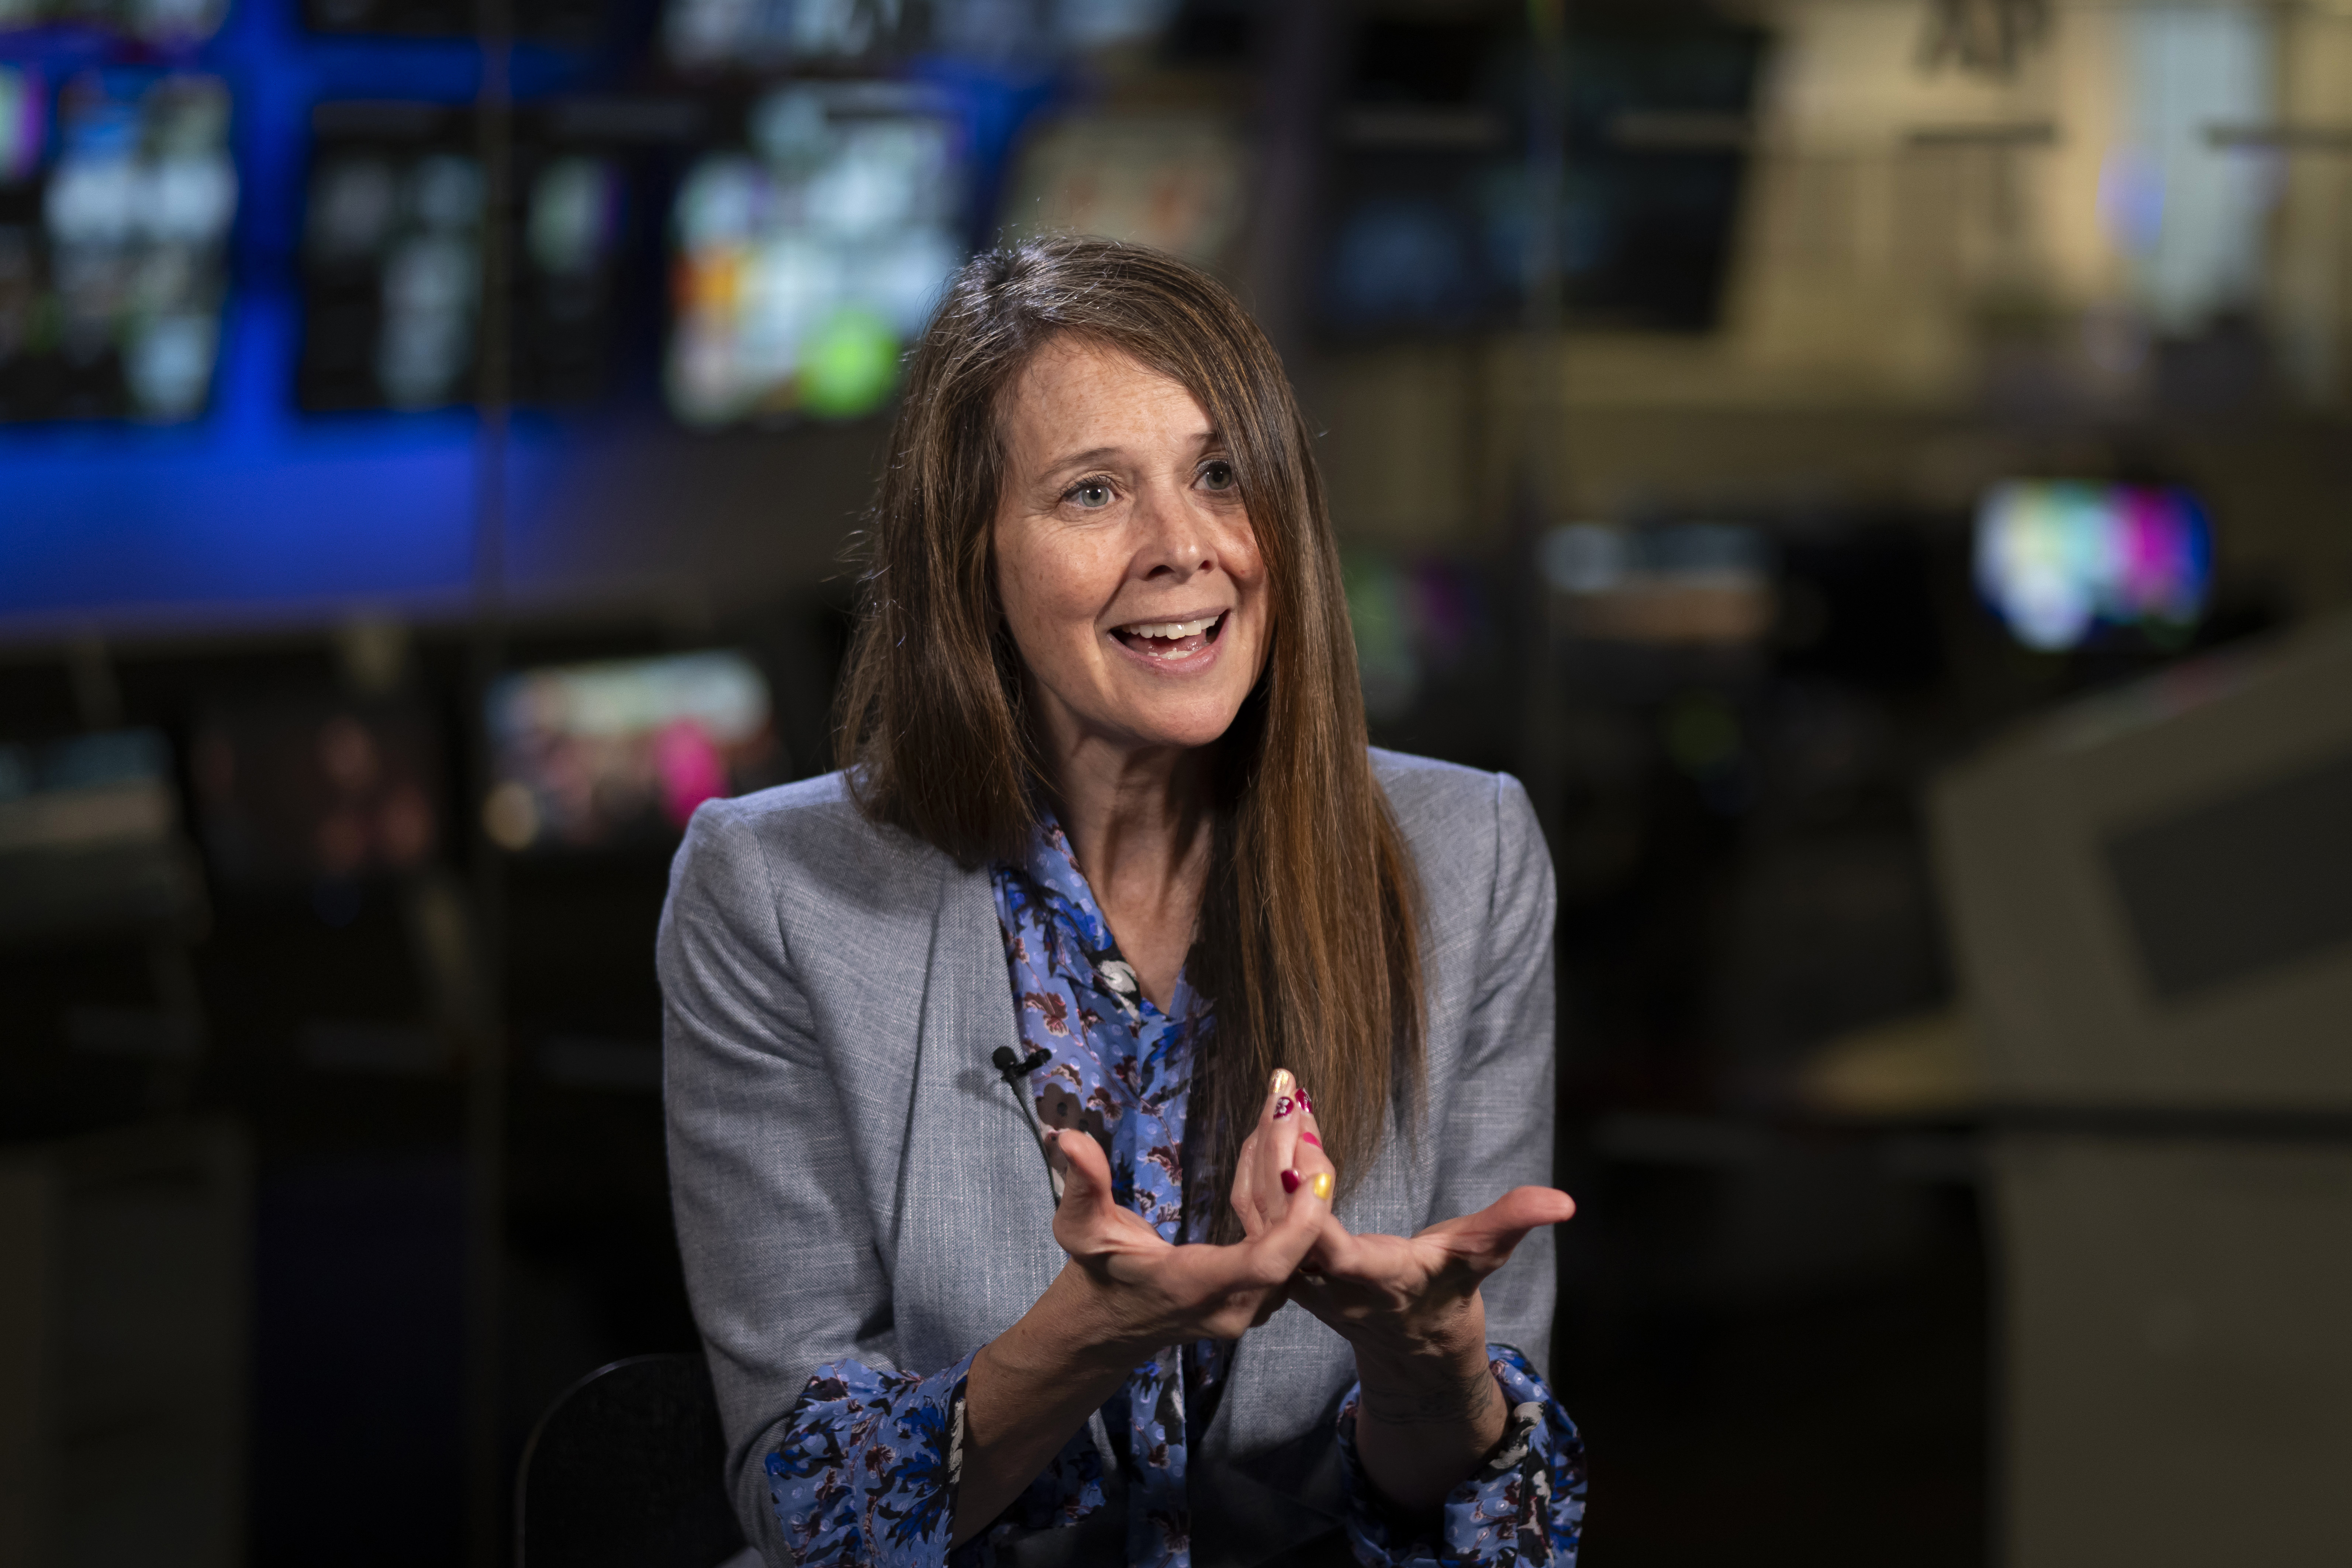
(1308, 941)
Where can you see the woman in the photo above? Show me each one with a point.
(1113, 879)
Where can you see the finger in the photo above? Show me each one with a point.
(1308, 1132)
(1286, 1243)
(1336, 1253)
(1249, 1201)
(1487, 1238)
(1278, 1122)
(1308, 1161)
(1086, 1202)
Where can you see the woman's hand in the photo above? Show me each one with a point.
(1144, 1293)
(1410, 1307)
(1281, 1159)
(1124, 1295)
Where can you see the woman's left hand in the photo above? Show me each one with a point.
(1410, 1307)
(1397, 1297)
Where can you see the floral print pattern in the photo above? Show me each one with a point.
(1526, 1504)
(866, 1471)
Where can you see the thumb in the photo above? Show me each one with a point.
(1489, 1237)
(1086, 1178)
(1278, 1250)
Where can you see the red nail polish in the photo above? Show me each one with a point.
(1304, 1104)
(1290, 1181)
(1283, 1108)
(1310, 1138)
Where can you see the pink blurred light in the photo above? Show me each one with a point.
(690, 767)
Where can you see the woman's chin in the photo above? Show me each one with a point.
(1174, 727)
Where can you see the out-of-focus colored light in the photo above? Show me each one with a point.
(23, 121)
(848, 364)
(593, 754)
(135, 217)
(2058, 559)
(805, 264)
(575, 209)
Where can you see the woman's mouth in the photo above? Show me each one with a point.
(1170, 639)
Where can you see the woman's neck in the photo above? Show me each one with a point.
(1137, 822)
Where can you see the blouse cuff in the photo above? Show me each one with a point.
(864, 1473)
(1525, 1504)
(868, 1470)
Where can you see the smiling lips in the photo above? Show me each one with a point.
(1170, 639)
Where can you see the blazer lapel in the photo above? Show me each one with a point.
(974, 1226)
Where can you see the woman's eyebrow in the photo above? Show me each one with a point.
(1086, 459)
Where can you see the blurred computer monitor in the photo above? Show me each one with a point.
(585, 228)
(1430, 204)
(809, 254)
(298, 791)
(1178, 181)
(576, 22)
(393, 266)
(392, 258)
(90, 839)
(772, 35)
(115, 198)
(2150, 892)
(2065, 561)
(159, 24)
(592, 756)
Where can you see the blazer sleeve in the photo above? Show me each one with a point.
(1496, 1131)
(782, 1262)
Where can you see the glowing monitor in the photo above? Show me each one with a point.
(114, 224)
(590, 756)
(808, 259)
(2060, 560)
(1176, 182)
(296, 791)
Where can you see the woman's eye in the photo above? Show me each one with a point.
(1091, 494)
(1217, 475)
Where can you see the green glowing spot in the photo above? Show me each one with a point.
(848, 364)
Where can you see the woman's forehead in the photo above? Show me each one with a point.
(1076, 395)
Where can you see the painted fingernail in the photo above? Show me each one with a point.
(1283, 1082)
(1321, 1185)
(1283, 1108)
(1290, 1181)
(1305, 1103)
(1310, 1138)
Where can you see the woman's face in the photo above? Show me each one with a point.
(1126, 564)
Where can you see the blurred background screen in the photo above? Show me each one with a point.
(590, 756)
(808, 257)
(2062, 561)
(391, 257)
(114, 224)
(298, 791)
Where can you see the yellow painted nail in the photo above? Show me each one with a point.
(1282, 1080)
(1321, 1185)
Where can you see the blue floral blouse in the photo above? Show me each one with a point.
(866, 1472)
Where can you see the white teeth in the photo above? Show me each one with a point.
(1171, 630)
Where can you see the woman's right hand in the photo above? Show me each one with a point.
(1125, 1296)
(1141, 1292)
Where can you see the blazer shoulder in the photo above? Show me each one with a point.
(816, 844)
(1473, 835)
(1432, 798)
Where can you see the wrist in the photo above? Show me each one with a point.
(1083, 1330)
(1439, 1372)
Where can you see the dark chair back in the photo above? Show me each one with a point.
(625, 1471)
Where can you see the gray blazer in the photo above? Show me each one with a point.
(852, 1178)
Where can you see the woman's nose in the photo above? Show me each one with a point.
(1178, 541)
